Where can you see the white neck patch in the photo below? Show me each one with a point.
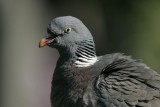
(85, 62)
(85, 54)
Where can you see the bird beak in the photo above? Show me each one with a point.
(43, 42)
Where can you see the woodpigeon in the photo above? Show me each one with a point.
(82, 79)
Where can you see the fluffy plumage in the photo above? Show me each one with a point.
(82, 79)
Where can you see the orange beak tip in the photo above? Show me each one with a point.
(43, 42)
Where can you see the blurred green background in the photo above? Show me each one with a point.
(128, 26)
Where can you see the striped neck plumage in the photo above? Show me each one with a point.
(85, 54)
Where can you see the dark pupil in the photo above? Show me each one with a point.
(68, 30)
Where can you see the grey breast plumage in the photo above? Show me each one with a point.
(82, 79)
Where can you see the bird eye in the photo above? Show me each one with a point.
(67, 30)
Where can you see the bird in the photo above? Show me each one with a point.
(83, 79)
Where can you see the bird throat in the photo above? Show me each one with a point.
(85, 54)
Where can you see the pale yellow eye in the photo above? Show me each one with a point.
(67, 30)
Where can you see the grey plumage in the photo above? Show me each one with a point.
(81, 79)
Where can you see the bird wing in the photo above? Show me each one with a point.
(125, 82)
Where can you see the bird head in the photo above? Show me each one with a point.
(65, 32)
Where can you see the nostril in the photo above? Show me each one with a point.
(49, 31)
(51, 36)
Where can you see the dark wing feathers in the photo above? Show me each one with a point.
(126, 82)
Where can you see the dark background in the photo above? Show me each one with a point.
(128, 26)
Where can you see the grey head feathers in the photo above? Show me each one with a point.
(73, 40)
